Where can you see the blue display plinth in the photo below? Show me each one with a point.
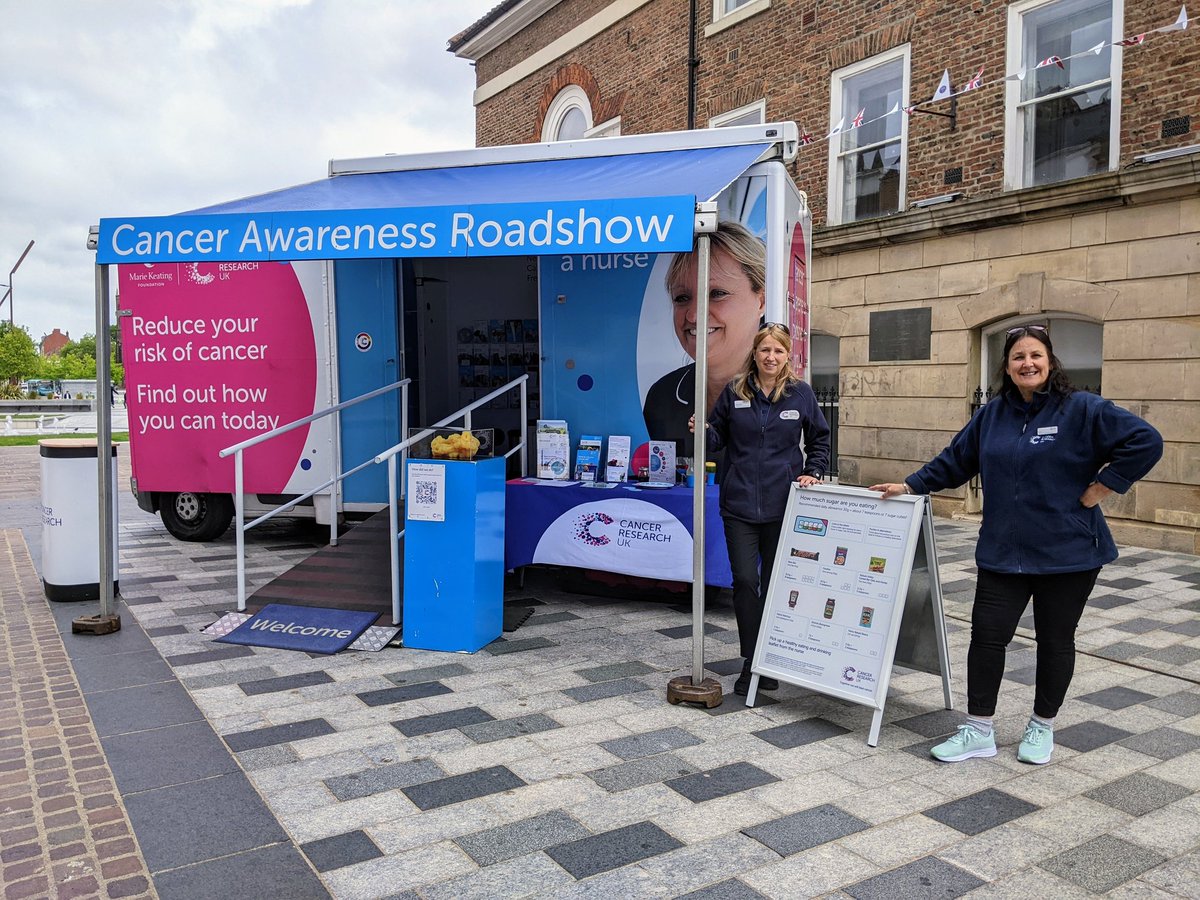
(454, 568)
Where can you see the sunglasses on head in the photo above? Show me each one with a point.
(769, 325)
(1025, 329)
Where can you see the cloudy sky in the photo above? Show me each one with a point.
(145, 107)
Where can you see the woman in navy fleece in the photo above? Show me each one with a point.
(1047, 456)
(766, 420)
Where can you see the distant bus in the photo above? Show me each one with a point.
(42, 388)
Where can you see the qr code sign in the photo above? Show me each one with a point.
(427, 493)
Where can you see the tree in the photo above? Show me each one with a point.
(18, 356)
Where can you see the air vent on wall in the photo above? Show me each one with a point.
(732, 55)
(953, 176)
(1176, 126)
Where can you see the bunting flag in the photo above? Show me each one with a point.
(1018, 75)
(943, 89)
(837, 129)
(974, 82)
(1133, 41)
(858, 120)
(805, 137)
(1179, 24)
(1050, 61)
(895, 109)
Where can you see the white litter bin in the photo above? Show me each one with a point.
(71, 519)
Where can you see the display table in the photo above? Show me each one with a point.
(625, 529)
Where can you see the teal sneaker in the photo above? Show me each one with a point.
(966, 743)
(1037, 744)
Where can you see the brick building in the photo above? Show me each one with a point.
(1068, 196)
(54, 342)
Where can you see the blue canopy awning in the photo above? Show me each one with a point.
(639, 202)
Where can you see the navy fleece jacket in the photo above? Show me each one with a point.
(763, 449)
(1035, 461)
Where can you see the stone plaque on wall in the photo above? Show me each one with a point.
(900, 334)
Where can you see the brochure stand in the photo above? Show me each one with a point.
(855, 590)
(454, 554)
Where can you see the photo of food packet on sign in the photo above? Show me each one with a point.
(792, 598)
(839, 558)
(864, 619)
(829, 604)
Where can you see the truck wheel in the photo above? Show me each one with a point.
(191, 516)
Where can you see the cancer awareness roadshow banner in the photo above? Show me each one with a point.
(215, 354)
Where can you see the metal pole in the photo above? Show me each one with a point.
(104, 454)
(524, 428)
(393, 539)
(335, 488)
(702, 262)
(239, 509)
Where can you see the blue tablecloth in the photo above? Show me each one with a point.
(625, 529)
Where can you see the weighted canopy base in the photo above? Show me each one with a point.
(681, 690)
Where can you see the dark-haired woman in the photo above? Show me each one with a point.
(771, 428)
(1047, 455)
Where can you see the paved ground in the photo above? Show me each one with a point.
(550, 765)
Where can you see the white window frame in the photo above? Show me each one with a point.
(1016, 174)
(834, 202)
(569, 98)
(722, 19)
(611, 128)
(758, 107)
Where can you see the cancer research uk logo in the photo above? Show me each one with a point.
(633, 537)
(585, 522)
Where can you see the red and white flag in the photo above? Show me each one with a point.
(1133, 41)
(1050, 61)
(805, 137)
(858, 120)
(943, 89)
(975, 81)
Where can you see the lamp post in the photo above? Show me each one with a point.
(8, 295)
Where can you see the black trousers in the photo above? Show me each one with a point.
(1000, 601)
(748, 543)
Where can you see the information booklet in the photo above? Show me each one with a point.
(587, 457)
(617, 468)
(662, 462)
(553, 449)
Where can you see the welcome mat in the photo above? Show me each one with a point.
(310, 629)
(372, 640)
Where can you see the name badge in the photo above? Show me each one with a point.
(1049, 429)
(790, 414)
(741, 404)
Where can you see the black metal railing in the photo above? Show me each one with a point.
(828, 400)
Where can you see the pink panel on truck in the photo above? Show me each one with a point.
(215, 353)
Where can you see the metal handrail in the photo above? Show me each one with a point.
(237, 451)
(389, 456)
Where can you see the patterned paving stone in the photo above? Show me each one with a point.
(208, 656)
(1191, 628)
(383, 778)
(1122, 584)
(1181, 703)
(928, 877)
(1122, 651)
(277, 734)
(1138, 794)
(444, 721)
(650, 770)
(725, 666)
(284, 683)
(797, 734)
(1177, 655)
(1116, 697)
(1110, 601)
(650, 743)
(721, 782)
(730, 889)
(685, 631)
(976, 813)
(340, 850)
(457, 788)
(501, 646)
(605, 689)
(1026, 675)
(552, 618)
(427, 673)
(403, 693)
(1102, 863)
(1086, 736)
(933, 724)
(805, 830)
(612, 849)
(613, 671)
(501, 729)
(1163, 743)
(506, 842)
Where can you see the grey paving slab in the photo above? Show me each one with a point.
(604, 689)
(427, 673)
(284, 683)
(805, 830)
(1089, 735)
(638, 772)
(1181, 703)
(1123, 650)
(184, 824)
(976, 813)
(928, 878)
(721, 781)
(502, 729)
(404, 693)
(104, 673)
(551, 618)
(277, 734)
(613, 671)
(1177, 655)
(685, 631)
(501, 646)
(1102, 863)
(1025, 676)
(729, 889)
(340, 851)
(1138, 793)
(725, 666)
(1139, 625)
(142, 707)
(589, 856)
(151, 759)
(1190, 627)
(1110, 601)
(201, 657)
(797, 734)
(504, 842)
(1116, 697)
(443, 721)
(649, 743)
(383, 778)
(278, 871)
(165, 630)
(933, 724)
(457, 788)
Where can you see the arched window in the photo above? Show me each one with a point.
(1078, 343)
(569, 117)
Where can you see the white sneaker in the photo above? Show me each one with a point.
(967, 743)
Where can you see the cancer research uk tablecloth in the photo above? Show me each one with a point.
(624, 529)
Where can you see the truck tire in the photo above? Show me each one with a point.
(198, 517)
